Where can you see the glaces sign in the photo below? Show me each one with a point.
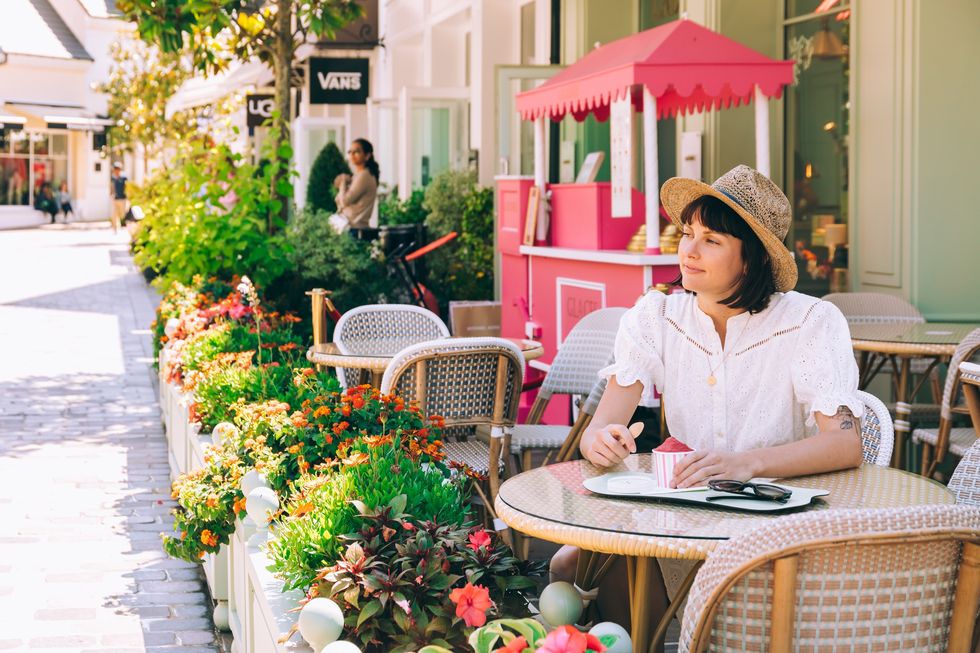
(338, 81)
(258, 109)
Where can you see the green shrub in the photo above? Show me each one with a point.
(320, 192)
(211, 215)
(352, 269)
(462, 270)
(410, 211)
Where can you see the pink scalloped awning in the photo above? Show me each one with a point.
(687, 67)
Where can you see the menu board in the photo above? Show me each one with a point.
(621, 146)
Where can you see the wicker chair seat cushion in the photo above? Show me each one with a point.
(474, 453)
(960, 438)
(877, 596)
(531, 436)
(965, 481)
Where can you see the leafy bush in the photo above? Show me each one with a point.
(211, 215)
(410, 211)
(320, 192)
(352, 269)
(464, 269)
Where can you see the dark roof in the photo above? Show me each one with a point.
(33, 27)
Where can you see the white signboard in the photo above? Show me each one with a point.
(621, 146)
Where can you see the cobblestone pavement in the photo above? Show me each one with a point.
(84, 480)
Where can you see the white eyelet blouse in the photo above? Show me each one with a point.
(778, 367)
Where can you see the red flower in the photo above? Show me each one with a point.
(479, 539)
(566, 639)
(472, 603)
(516, 646)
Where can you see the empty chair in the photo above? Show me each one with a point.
(877, 431)
(469, 382)
(383, 330)
(895, 579)
(965, 481)
(574, 371)
(937, 442)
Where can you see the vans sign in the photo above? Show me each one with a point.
(338, 81)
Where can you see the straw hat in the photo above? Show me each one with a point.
(756, 199)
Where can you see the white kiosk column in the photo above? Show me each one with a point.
(540, 175)
(651, 172)
(762, 133)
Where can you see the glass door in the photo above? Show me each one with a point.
(817, 37)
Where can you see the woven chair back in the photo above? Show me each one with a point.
(877, 431)
(586, 350)
(968, 351)
(965, 481)
(383, 330)
(896, 579)
(874, 308)
(468, 381)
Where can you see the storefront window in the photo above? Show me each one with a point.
(28, 160)
(817, 128)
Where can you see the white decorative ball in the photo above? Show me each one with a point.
(251, 480)
(260, 504)
(221, 617)
(341, 646)
(171, 326)
(320, 622)
(222, 432)
(623, 643)
(560, 604)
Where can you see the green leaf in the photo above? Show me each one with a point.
(368, 611)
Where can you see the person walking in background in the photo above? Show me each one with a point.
(356, 194)
(64, 199)
(118, 192)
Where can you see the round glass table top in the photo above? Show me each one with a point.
(551, 503)
(927, 334)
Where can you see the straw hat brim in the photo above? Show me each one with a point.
(678, 192)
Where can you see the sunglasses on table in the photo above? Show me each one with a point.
(745, 490)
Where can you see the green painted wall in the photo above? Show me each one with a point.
(945, 161)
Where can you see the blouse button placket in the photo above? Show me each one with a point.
(719, 408)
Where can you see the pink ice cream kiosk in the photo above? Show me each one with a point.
(572, 258)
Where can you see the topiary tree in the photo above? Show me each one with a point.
(329, 163)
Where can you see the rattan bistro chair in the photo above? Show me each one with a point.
(895, 579)
(965, 481)
(574, 371)
(469, 382)
(877, 431)
(881, 308)
(936, 443)
(383, 330)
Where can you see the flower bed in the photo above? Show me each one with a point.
(362, 509)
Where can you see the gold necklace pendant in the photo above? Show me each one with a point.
(712, 380)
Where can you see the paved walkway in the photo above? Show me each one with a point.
(84, 481)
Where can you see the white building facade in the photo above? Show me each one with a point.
(51, 120)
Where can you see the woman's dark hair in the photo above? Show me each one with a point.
(369, 162)
(757, 285)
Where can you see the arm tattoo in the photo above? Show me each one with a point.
(845, 418)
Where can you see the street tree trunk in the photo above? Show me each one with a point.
(282, 69)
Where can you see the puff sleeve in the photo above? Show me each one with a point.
(825, 374)
(639, 348)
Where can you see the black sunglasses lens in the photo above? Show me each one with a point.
(726, 486)
(772, 492)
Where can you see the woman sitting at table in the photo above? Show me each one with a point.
(758, 380)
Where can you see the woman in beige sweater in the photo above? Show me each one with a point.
(356, 195)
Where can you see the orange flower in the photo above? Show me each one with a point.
(293, 449)
(289, 346)
(322, 411)
(356, 458)
(239, 505)
(340, 428)
(516, 646)
(358, 402)
(345, 411)
(208, 538)
(377, 440)
(212, 501)
(472, 603)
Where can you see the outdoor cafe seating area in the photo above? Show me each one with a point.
(887, 553)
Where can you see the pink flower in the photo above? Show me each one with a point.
(472, 603)
(479, 539)
(566, 639)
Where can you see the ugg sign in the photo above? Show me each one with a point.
(338, 81)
